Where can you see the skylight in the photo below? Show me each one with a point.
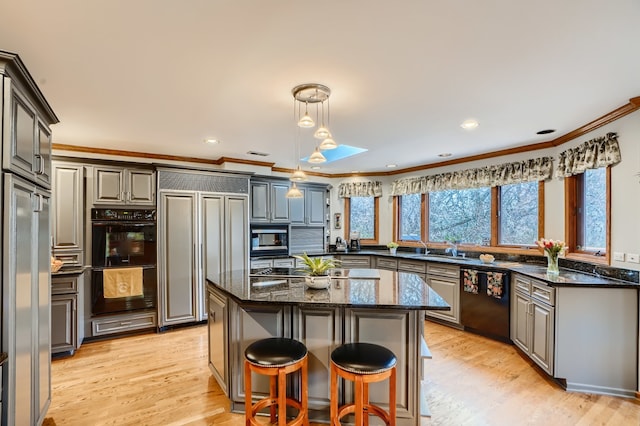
(342, 151)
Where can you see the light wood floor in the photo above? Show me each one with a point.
(163, 379)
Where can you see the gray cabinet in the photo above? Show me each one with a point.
(26, 135)
(311, 209)
(26, 306)
(123, 186)
(68, 212)
(354, 261)
(251, 323)
(201, 235)
(218, 339)
(66, 308)
(533, 320)
(269, 202)
(445, 280)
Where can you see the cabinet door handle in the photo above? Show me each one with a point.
(37, 202)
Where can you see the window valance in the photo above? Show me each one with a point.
(535, 169)
(360, 189)
(598, 152)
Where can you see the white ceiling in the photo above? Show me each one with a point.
(160, 76)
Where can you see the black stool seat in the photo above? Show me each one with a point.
(275, 352)
(363, 358)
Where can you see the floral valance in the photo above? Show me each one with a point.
(536, 169)
(360, 189)
(598, 152)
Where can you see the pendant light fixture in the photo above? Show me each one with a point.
(314, 93)
(298, 175)
(294, 192)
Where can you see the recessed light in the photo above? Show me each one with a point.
(315, 167)
(469, 124)
(391, 166)
(212, 141)
(445, 154)
(545, 131)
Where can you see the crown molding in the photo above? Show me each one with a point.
(632, 106)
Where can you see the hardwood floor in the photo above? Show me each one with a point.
(163, 379)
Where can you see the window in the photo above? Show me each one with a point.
(362, 215)
(410, 217)
(588, 212)
(460, 215)
(518, 213)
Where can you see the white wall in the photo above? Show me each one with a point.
(625, 193)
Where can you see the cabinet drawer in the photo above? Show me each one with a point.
(355, 261)
(284, 263)
(443, 270)
(63, 285)
(523, 284)
(259, 264)
(69, 258)
(418, 267)
(384, 263)
(123, 323)
(543, 292)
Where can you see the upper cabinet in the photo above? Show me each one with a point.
(118, 186)
(269, 202)
(26, 117)
(68, 212)
(311, 209)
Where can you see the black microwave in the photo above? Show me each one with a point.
(269, 240)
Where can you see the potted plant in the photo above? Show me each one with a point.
(317, 270)
(393, 247)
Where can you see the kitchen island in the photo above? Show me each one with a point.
(361, 305)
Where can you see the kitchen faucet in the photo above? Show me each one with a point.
(453, 249)
(426, 249)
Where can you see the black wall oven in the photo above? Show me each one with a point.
(269, 240)
(123, 239)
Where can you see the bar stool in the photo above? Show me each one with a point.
(363, 363)
(276, 357)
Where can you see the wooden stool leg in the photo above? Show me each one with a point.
(365, 402)
(359, 399)
(273, 395)
(304, 384)
(282, 397)
(392, 397)
(247, 394)
(333, 403)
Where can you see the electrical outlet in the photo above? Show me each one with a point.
(633, 257)
(619, 256)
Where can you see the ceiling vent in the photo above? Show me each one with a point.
(260, 154)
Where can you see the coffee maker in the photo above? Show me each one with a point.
(354, 241)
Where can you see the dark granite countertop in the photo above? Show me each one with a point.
(566, 278)
(368, 288)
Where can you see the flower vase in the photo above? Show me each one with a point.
(393, 250)
(552, 264)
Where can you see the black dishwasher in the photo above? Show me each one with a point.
(484, 303)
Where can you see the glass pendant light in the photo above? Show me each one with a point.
(328, 143)
(306, 121)
(322, 132)
(317, 157)
(294, 192)
(298, 175)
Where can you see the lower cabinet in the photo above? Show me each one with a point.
(533, 320)
(445, 280)
(354, 261)
(124, 323)
(217, 333)
(65, 336)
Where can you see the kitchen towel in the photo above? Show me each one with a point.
(121, 282)
(494, 284)
(470, 281)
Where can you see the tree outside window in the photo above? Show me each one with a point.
(460, 215)
(592, 210)
(410, 217)
(518, 214)
(362, 217)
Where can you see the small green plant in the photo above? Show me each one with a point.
(316, 266)
(393, 244)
